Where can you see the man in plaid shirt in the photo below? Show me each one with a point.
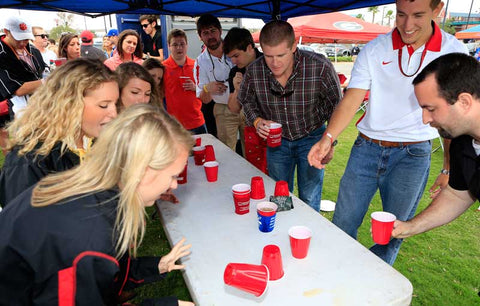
(299, 90)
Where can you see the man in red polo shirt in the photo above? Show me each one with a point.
(180, 90)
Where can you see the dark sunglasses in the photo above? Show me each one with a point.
(42, 35)
(145, 25)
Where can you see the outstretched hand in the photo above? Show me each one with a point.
(321, 153)
(167, 262)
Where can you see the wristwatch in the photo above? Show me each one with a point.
(445, 171)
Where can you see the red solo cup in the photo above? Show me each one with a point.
(198, 140)
(241, 198)
(275, 135)
(182, 177)
(211, 171)
(382, 226)
(60, 61)
(209, 153)
(258, 188)
(299, 240)
(281, 189)
(247, 277)
(272, 258)
(199, 155)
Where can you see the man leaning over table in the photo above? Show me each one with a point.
(392, 151)
(448, 92)
(298, 89)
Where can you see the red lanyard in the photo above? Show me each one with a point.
(419, 66)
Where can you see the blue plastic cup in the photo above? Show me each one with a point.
(266, 213)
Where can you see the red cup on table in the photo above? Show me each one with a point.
(241, 198)
(258, 188)
(247, 277)
(182, 177)
(382, 226)
(272, 258)
(209, 153)
(198, 140)
(199, 155)
(281, 189)
(275, 135)
(211, 171)
(299, 240)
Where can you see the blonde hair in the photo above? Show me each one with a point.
(142, 136)
(54, 111)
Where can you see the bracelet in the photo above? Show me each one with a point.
(256, 122)
(332, 142)
(205, 88)
(445, 171)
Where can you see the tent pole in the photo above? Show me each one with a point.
(445, 15)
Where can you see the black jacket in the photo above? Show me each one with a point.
(20, 172)
(65, 252)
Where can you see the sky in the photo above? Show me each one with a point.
(46, 19)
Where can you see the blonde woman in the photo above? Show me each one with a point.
(76, 233)
(129, 49)
(57, 126)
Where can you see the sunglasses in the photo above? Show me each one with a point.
(42, 35)
(145, 25)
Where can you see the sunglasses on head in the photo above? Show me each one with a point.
(42, 35)
(145, 25)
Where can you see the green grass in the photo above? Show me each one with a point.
(443, 265)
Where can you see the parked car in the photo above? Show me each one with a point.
(309, 48)
(340, 50)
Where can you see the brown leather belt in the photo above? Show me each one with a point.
(386, 143)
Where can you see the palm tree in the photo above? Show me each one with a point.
(359, 16)
(389, 16)
(374, 10)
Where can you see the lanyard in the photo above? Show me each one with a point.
(419, 66)
(213, 65)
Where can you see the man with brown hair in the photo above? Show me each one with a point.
(392, 151)
(152, 45)
(298, 89)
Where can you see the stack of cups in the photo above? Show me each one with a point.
(266, 213)
(241, 198)
(199, 155)
(275, 135)
(258, 188)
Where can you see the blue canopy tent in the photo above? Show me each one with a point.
(261, 9)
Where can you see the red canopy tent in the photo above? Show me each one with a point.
(333, 28)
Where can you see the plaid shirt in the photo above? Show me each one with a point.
(305, 103)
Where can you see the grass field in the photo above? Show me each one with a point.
(443, 265)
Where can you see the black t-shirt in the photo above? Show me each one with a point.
(464, 166)
(152, 45)
(235, 69)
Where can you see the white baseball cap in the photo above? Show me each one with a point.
(19, 28)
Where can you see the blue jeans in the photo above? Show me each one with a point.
(282, 160)
(199, 130)
(400, 173)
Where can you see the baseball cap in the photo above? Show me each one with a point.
(86, 36)
(112, 32)
(19, 28)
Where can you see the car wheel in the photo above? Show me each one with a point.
(346, 53)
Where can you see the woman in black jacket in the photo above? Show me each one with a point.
(72, 238)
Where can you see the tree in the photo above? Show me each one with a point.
(448, 27)
(389, 16)
(360, 16)
(57, 31)
(373, 10)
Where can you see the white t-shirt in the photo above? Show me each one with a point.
(393, 112)
(209, 68)
(48, 55)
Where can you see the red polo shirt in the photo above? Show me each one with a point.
(183, 105)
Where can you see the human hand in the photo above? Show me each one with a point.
(401, 229)
(185, 303)
(263, 128)
(237, 80)
(216, 88)
(440, 183)
(188, 84)
(319, 153)
(167, 262)
(169, 197)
